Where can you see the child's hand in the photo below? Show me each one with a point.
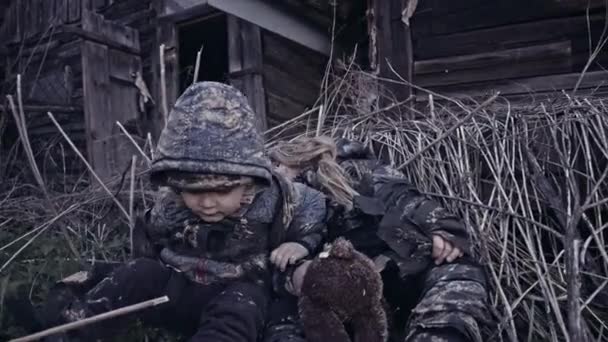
(443, 250)
(295, 285)
(287, 253)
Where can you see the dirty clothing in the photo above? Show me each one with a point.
(206, 312)
(223, 266)
(393, 222)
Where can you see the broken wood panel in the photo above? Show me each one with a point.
(494, 58)
(97, 25)
(522, 86)
(504, 37)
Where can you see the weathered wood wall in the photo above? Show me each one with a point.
(292, 77)
(43, 41)
(473, 47)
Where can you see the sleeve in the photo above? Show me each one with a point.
(403, 202)
(152, 231)
(308, 226)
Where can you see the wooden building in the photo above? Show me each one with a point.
(473, 47)
(95, 62)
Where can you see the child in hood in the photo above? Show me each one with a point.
(205, 244)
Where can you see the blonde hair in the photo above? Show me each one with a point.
(319, 154)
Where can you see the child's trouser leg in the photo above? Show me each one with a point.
(454, 305)
(284, 323)
(237, 314)
(136, 281)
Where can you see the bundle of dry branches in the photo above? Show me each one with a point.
(529, 179)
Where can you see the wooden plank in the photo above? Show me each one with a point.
(393, 48)
(524, 86)
(47, 108)
(26, 12)
(245, 54)
(286, 86)
(283, 108)
(457, 16)
(97, 38)
(124, 103)
(235, 53)
(293, 58)
(493, 58)
(504, 37)
(515, 69)
(166, 35)
(62, 11)
(123, 66)
(110, 31)
(401, 59)
(96, 84)
(74, 10)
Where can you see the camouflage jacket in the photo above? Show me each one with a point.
(391, 218)
(236, 247)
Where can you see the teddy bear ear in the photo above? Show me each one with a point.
(342, 249)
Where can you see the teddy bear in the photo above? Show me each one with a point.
(341, 294)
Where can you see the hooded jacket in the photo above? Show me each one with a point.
(211, 130)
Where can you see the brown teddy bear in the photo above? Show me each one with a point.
(341, 288)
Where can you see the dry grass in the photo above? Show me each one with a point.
(529, 179)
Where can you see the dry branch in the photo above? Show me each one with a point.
(97, 318)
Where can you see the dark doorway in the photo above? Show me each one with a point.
(210, 32)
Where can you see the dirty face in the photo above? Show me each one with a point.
(214, 205)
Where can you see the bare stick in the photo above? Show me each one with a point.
(163, 85)
(20, 121)
(22, 128)
(97, 318)
(150, 144)
(124, 131)
(84, 160)
(449, 131)
(308, 112)
(320, 119)
(131, 199)
(197, 66)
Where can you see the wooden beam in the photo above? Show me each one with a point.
(256, 12)
(530, 86)
(493, 58)
(245, 65)
(47, 108)
(390, 46)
